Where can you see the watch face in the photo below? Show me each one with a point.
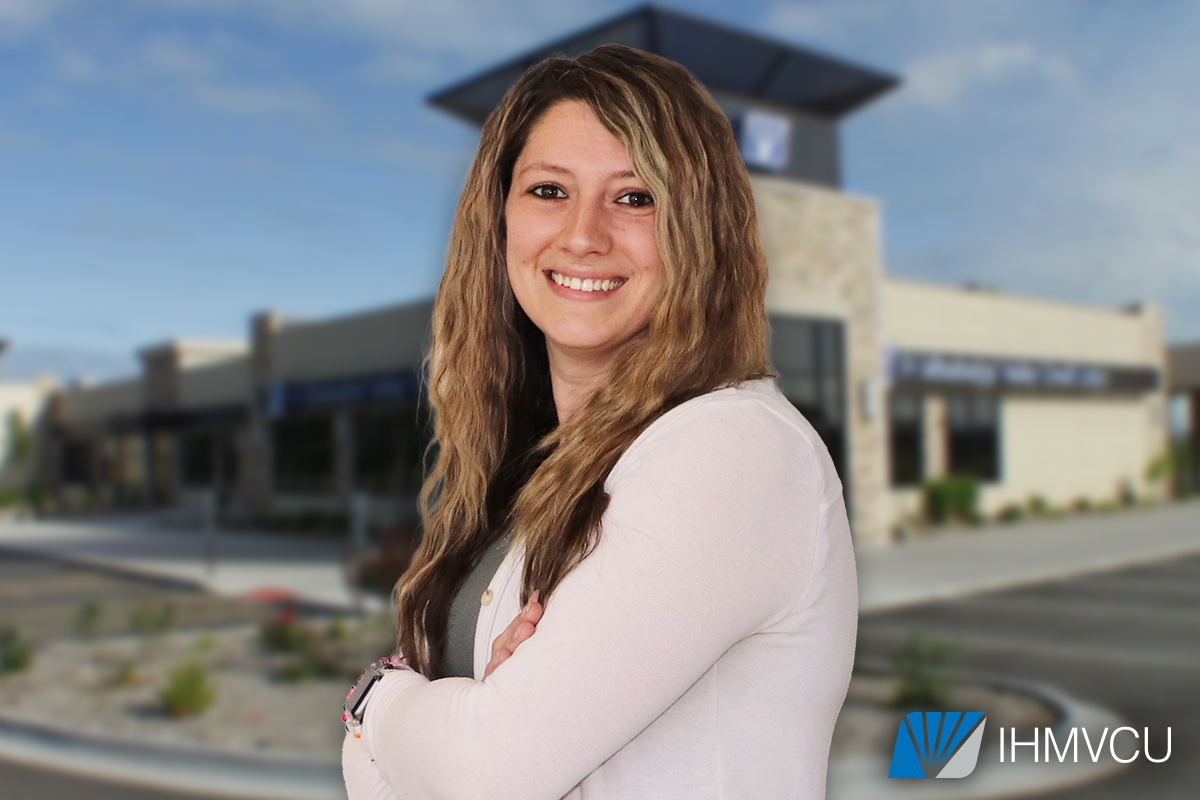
(766, 139)
(363, 691)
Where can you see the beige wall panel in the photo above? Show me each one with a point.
(1066, 449)
(377, 341)
(221, 383)
(95, 404)
(951, 320)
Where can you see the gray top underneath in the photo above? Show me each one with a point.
(464, 611)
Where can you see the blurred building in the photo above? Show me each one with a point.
(22, 432)
(1184, 370)
(905, 382)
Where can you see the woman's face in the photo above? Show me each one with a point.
(582, 256)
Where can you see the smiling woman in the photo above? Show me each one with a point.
(618, 480)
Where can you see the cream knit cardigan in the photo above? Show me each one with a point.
(701, 651)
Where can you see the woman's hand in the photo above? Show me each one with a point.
(518, 631)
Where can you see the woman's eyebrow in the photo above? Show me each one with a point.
(544, 166)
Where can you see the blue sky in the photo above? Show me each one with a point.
(168, 167)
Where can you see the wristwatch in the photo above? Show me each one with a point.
(360, 693)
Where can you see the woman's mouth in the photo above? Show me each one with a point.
(586, 284)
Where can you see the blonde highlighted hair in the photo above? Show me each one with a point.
(501, 457)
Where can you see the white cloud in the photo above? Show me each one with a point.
(944, 78)
(18, 16)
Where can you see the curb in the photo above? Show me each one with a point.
(866, 778)
(154, 766)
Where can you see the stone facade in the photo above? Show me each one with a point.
(823, 251)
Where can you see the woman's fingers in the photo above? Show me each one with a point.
(521, 628)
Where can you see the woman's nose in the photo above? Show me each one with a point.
(585, 228)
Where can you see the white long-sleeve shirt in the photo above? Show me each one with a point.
(702, 650)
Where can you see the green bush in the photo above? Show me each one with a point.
(188, 691)
(88, 619)
(1038, 506)
(1011, 513)
(955, 497)
(16, 651)
(923, 673)
(284, 633)
(148, 619)
(1082, 505)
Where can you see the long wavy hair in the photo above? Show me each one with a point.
(501, 458)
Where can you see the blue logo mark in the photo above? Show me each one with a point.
(933, 744)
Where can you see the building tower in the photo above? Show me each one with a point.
(785, 104)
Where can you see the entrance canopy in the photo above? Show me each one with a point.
(723, 59)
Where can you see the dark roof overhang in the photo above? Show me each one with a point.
(721, 58)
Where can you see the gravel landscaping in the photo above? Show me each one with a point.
(111, 688)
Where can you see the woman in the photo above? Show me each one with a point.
(598, 373)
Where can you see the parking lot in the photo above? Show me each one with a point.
(1128, 640)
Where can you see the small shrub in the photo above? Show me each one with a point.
(317, 660)
(284, 633)
(125, 674)
(1128, 496)
(952, 498)
(1082, 505)
(16, 651)
(188, 692)
(1038, 506)
(148, 619)
(1012, 512)
(88, 618)
(923, 673)
(203, 643)
(336, 630)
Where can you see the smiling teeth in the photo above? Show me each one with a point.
(587, 284)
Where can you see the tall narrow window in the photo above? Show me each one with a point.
(197, 459)
(973, 431)
(304, 454)
(905, 411)
(389, 444)
(809, 355)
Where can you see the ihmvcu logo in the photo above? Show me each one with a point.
(937, 745)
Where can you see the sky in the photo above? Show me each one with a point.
(170, 167)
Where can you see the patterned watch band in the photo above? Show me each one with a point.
(360, 693)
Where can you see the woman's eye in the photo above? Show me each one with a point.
(636, 199)
(547, 191)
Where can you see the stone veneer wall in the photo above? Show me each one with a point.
(823, 250)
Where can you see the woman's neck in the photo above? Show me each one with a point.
(573, 378)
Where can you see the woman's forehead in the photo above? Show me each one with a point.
(569, 138)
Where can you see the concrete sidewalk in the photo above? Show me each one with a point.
(945, 566)
(996, 557)
(308, 569)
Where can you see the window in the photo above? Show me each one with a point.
(972, 422)
(197, 459)
(389, 445)
(76, 463)
(304, 456)
(206, 458)
(905, 411)
(809, 357)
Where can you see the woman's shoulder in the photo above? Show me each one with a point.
(752, 416)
